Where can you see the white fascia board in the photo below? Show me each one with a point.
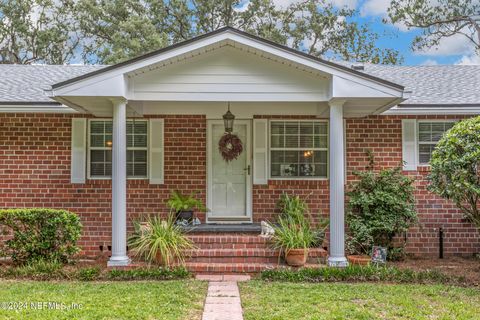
(433, 111)
(347, 88)
(117, 73)
(33, 108)
(113, 86)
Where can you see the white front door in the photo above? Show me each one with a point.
(229, 183)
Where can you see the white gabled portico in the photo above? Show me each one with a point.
(258, 77)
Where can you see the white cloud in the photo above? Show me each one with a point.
(351, 4)
(454, 45)
(375, 8)
(429, 62)
(469, 60)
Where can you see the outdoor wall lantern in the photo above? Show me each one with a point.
(228, 119)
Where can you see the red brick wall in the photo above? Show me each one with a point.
(383, 136)
(35, 172)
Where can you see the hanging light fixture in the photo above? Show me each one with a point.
(228, 119)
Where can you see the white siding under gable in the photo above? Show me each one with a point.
(228, 74)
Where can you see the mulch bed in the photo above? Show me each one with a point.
(454, 266)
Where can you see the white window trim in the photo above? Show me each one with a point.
(270, 149)
(89, 177)
(417, 140)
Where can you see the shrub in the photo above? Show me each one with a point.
(359, 273)
(36, 270)
(148, 274)
(455, 168)
(39, 234)
(88, 273)
(381, 205)
(159, 241)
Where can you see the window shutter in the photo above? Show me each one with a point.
(78, 150)
(409, 144)
(155, 158)
(260, 151)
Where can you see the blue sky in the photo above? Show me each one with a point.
(453, 50)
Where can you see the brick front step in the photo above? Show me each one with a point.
(250, 255)
(228, 241)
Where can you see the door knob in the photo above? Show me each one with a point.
(247, 169)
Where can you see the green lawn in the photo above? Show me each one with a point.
(279, 300)
(104, 300)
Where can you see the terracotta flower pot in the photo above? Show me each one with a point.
(359, 260)
(296, 257)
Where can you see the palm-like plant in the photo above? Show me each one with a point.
(159, 241)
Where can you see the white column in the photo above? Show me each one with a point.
(119, 185)
(337, 193)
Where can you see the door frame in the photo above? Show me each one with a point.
(247, 218)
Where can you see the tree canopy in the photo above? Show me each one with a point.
(438, 20)
(110, 31)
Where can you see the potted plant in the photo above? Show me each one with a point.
(159, 241)
(357, 252)
(183, 205)
(294, 234)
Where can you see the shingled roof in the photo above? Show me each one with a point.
(442, 85)
(26, 84)
(434, 85)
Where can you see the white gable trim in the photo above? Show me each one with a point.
(117, 73)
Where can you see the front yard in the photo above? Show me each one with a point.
(102, 300)
(279, 300)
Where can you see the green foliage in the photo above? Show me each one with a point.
(37, 31)
(108, 32)
(39, 234)
(148, 274)
(88, 273)
(36, 270)
(358, 273)
(178, 202)
(438, 20)
(455, 167)
(294, 229)
(52, 270)
(381, 206)
(159, 241)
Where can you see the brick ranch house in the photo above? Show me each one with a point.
(306, 125)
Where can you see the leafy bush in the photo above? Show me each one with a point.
(88, 273)
(455, 168)
(159, 241)
(148, 274)
(36, 270)
(381, 206)
(39, 234)
(358, 273)
(294, 229)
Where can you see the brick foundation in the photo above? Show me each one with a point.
(35, 172)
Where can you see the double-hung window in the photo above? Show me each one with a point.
(100, 148)
(429, 133)
(298, 149)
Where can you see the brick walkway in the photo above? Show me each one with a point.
(223, 297)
